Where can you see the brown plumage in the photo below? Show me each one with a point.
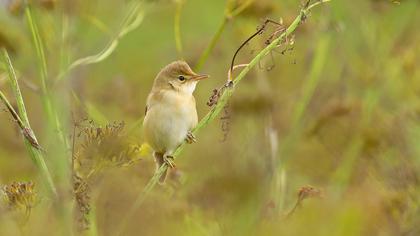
(171, 113)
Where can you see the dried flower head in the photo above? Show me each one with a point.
(103, 147)
(308, 192)
(217, 93)
(97, 148)
(20, 195)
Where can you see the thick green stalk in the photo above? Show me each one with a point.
(23, 119)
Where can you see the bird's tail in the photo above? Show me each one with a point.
(159, 162)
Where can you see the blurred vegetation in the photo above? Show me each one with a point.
(318, 139)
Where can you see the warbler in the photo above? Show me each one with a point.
(171, 112)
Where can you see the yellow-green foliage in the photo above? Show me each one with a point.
(320, 137)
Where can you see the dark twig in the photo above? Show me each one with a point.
(26, 132)
(260, 30)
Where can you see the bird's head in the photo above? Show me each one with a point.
(177, 76)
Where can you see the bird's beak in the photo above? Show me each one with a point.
(199, 77)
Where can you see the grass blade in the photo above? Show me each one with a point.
(42, 65)
(133, 19)
(36, 153)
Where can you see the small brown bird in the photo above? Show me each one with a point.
(171, 113)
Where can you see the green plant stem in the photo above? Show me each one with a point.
(234, 12)
(46, 95)
(24, 124)
(177, 27)
(214, 112)
(15, 86)
(229, 14)
(212, 44)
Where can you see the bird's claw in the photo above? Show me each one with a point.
(190, 138)
(169, 160)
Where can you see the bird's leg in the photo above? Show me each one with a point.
(190, 138)
(169, 160)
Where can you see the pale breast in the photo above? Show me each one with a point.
(168, 119)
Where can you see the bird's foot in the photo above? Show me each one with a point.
(190, 138)
(169, 160)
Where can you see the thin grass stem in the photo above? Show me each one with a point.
(46, 97)
(130, 22)
(177, 27)
(31, 142)
(229, 14)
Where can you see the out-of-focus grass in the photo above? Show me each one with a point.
(344, 105)
(30, 140)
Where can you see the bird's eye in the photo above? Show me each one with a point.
(181, 78)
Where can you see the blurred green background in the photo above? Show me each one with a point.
(339, 111)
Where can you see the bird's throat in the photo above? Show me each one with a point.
(189, 87)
